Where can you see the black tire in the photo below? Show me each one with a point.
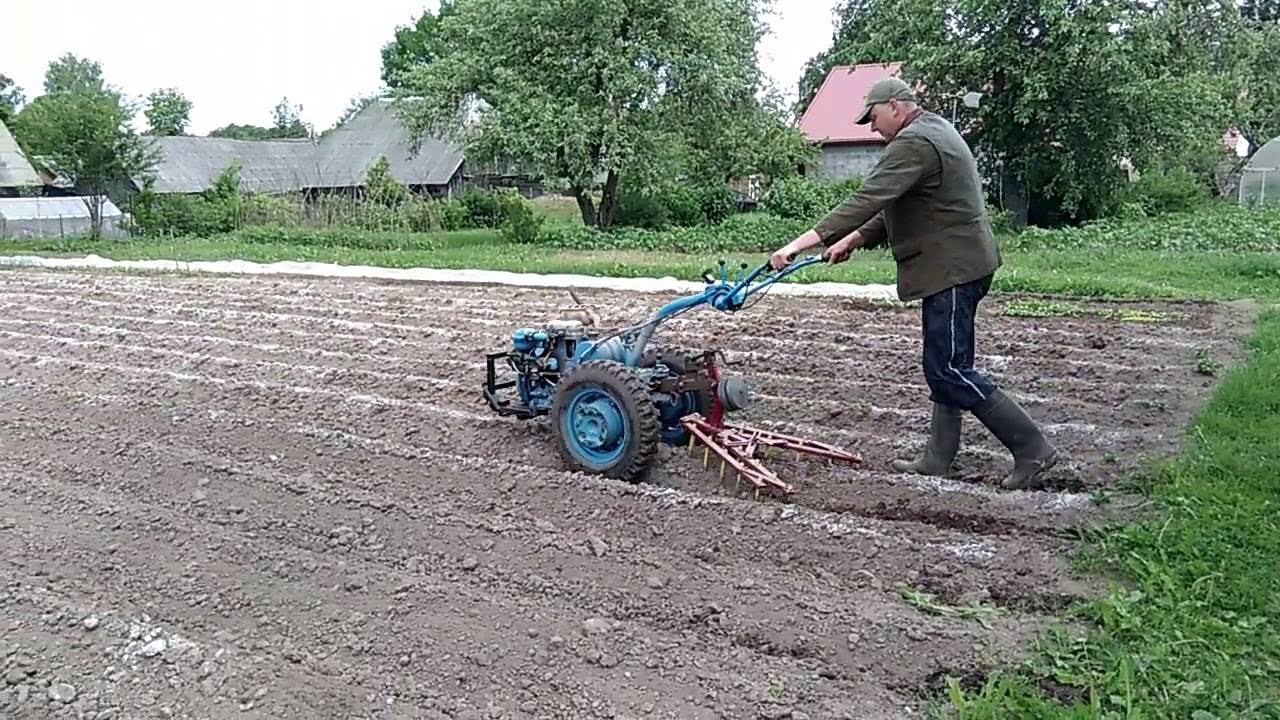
(623, 392)
(698, 401)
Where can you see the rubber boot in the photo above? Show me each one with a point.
(1032, 454)
(940, 451)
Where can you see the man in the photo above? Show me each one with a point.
(924, 198)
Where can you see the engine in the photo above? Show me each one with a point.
(539, 356)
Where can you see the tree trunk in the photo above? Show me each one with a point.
(585, 206)
(94, 203)
(609, 201)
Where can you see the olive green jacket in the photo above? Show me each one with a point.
(924, 197)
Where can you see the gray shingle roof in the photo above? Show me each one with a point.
(15, 171)
(344, 156)
(192, 164)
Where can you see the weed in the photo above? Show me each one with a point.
(927, 602)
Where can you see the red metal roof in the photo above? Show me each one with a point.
(829, 118)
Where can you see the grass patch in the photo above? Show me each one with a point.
(1192, 630)
(1093, 273)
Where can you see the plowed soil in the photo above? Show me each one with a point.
(285, 498)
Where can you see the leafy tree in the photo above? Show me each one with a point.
(11, 98)
(168, 112)
(415, 44)
(83, 134)
(1071, 90)
(581, 91)
(867, 31)
(70, 73)
(286, 125)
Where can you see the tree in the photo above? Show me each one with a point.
(414, 44)
(70, 73)
(168, 112)
(579, 90)
(11, 98)
(1071, 90)
(82, 133)
(286, 124)
(854, 43)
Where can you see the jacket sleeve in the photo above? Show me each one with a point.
(873, 233)
(900, 167)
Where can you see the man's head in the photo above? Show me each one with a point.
(886, 107)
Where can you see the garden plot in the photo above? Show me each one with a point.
(287, 496)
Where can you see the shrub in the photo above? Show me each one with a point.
(1163, 191)
(756, 232)
(520, 222)
(335, 237)
(1212, 227)
(806, 199)
(483, 208)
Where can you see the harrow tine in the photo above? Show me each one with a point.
(738, 446)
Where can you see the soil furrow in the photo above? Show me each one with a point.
(293, 486)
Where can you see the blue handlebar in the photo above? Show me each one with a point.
(719, 294)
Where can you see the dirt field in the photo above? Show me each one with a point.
(285, 498)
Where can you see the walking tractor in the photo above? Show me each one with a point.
(612, 398)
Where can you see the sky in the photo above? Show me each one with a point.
(236, 63)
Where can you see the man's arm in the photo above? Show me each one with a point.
(900, 168)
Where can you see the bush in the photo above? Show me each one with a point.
(677, 205)
(483, 208)
(739, 233)
(520, 222)
(334, 237)
(799, 198)
(1212, 227)
(1163, 191)
(641, 209)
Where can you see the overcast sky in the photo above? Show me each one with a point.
(236, 59)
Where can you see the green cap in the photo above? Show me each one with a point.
(883, 91)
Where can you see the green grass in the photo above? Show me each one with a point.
(1190, 630)
(1083, 272)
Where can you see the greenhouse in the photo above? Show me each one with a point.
(55, 217)
(1260, 178)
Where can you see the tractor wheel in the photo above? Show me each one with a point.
(605, 420)
(690, 401)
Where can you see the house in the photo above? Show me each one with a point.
(845, 149)
(341, 159)
(338, 163)
(15, 171)
(192, 164)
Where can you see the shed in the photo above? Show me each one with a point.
(845, 149)
(271, 167)
(15, 171)
(56, 217)
(343, 157)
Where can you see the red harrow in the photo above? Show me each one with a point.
(736, 444)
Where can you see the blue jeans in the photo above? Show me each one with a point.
(948, 319)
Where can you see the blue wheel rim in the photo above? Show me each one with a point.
(595, 427)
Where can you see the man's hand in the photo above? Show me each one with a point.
(782, 256)
(839, 253)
